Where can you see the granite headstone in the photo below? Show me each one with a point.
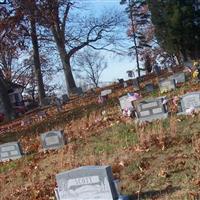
(179, 77)
(10, 151)
(190, 101)
(167, 85)
(106, 92)
(87, 183)
(149, 87)
(151, 109)
(136, 84)
(125, 103)
(52, 140)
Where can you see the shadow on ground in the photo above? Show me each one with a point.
(154, 193)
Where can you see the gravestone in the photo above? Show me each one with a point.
(106, 92)
(65, 98)
(87, 183)
(130, 73)
(149, 87)
(52, 140)
(179, 77)
(151, 109)
(167, 85)
(136, 84)
(10, 151)
(77, 91)
(121, 81)
(190, 100)
(125, 103)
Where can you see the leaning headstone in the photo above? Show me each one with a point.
(190, 101)
(10, 151)
(106, 92)
(87, 183)
(151, 109)
(167, 85)
(125, 103)
(52, 140)
(179, 77)
(149, 87)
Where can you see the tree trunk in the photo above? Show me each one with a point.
(37, 65)
(5, 100)
(65, 59)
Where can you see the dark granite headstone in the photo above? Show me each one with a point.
(151, 109)
(179, 77)
(149, 87)
(10, 151)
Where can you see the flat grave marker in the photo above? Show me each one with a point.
(52, 140)
(10, 151)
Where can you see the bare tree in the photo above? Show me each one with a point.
(73, 32)
(90, 66)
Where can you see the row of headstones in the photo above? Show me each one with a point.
(152, 109)
(164, 84)
(167, 84)
(49, 140)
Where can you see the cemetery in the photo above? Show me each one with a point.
(77, 164)
(99, 103)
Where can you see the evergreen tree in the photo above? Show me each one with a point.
(177, 24)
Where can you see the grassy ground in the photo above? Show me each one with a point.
(160, 160)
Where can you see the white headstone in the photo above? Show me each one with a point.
(106, 92)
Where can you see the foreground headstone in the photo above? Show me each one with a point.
(106, 92)
(87, 183)
(151, 109)
(52, 140)
(190, 101)
(179, 77)
(167, 85)
(10, 151)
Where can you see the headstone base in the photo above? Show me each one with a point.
(151, 118)
(121, 197)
